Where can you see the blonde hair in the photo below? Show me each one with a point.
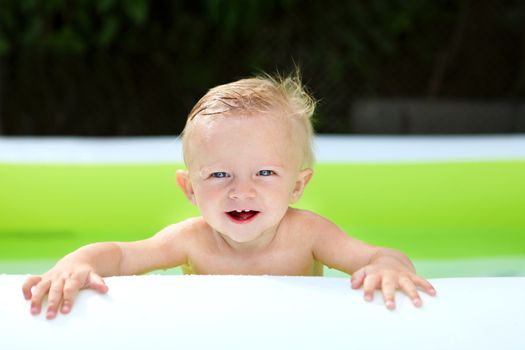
(260, 94)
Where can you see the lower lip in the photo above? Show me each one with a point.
(242, 221)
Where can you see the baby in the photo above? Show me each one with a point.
(247, 147)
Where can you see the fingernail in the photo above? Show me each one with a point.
(417, 302)
(50, 315)
(34, 310)
(390, 304)
(65, 309)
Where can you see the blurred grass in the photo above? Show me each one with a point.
(428, 210)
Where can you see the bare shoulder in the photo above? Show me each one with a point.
(172, 245)
(321, 230)
(182, 232)
(310, 223)
(329, 243)
(167, 248)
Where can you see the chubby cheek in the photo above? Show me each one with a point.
(279, 197)
(207, 198)
(285, 191)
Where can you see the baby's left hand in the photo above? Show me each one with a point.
(389, 279)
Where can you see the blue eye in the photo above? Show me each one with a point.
(219, 174)
(266, 172)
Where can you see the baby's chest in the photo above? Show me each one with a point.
(289, 263)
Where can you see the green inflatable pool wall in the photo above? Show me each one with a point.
(429, 210)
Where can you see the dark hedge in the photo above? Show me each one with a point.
(136, 67)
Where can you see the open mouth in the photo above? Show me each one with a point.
(242, 215)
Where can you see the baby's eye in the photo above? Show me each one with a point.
(219, 174)
(266, 172)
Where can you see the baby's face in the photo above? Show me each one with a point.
(244, 172)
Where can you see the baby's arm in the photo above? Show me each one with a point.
(370, 266)
(85, 267)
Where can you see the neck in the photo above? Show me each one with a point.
(258, 245)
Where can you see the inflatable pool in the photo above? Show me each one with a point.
(265, 312)
(453, 204)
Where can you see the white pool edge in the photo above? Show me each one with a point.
(328, 149)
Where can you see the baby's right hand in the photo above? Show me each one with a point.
(62, 283)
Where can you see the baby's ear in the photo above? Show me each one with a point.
(302, 180)
(183, 180)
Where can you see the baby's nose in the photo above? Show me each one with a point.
(242, 190)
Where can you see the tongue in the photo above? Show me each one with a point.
(245, 215)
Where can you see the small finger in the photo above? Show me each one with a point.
(424, 284)
(97, 283)
(410, 289)
(388, 287)
(370, 284)
(357, 278)
(71, 289)
(39, 292)
(28, 284)
(55, 298)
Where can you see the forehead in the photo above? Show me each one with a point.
(262, 138)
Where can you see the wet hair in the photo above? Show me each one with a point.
(259, 95)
